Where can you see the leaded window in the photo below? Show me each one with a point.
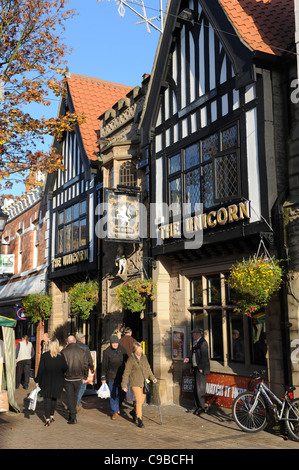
(206, 172)
(72, 228)
(127, 174)
(232, 337)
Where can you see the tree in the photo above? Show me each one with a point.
(32, 66)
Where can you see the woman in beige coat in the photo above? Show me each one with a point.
(135, 365)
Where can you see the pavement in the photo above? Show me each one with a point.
(169, 430)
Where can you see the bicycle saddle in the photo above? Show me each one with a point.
(288, 388)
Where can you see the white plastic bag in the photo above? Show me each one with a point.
(104, 391)
(33, 398)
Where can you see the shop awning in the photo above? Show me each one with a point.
(8, 316)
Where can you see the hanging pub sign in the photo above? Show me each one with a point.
(123, 215)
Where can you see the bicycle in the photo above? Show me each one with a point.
(251, 410)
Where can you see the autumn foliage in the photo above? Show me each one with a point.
(32, 67)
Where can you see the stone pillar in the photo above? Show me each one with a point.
(162, 363)
(58, 322)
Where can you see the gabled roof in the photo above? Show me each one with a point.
(93, 97)
(264, 25)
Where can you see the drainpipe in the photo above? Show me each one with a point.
(279, 239)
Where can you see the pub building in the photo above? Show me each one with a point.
(214, 131)
(123, 186)
(72, 194)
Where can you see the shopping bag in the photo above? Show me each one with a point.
(130, 394)
(33, 398)
(104, 391)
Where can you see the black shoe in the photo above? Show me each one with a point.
(134, 416)
(200, 411)
(72, 421)
(195, 411)
(47, 423)
(140, 423)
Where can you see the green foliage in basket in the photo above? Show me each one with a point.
(134, 294)
(37, 307)
(83, 297)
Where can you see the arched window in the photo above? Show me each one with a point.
(127, 174)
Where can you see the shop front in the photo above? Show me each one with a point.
(212, 129)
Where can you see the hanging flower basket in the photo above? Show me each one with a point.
(134, 294)
(37, 307)
(254, 281)
(83, 297)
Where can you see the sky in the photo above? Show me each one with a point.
(106, 46)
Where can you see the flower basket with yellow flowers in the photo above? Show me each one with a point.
(254, 280)
(83, 297)
(37, 307)
(133, 295)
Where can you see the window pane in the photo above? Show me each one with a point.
(191, 156)
(216, 340)
(83, 232)
(207, 186)
(258, 328)
(76, 209)
(68, 238)
(75, 226)
(210, 147)
(198, 320)
(60, 218)
(175, 192)
(192, 184)
(214, 290)
(175, 164)
(230, 137)
(196, 291)
(83, 207)
(226, 176)
(236, 337)
(68, 214)
(60, 240)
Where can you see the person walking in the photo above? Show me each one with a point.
(81, 343)
(24, 355)
(45, 343)
(50, 378)
(77, 371)
(137, 370)
(114, 358)
(199, 359)
(127, 341)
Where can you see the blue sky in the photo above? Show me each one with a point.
(107, 46)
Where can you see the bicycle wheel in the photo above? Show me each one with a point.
(247, 418)
(292, 419)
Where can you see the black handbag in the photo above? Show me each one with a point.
(146, 385)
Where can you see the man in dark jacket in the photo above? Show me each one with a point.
(81, 343)
(77, 371)
(113, 366)
(200, 362)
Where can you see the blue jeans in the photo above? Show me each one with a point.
(81, 393)
(115, 396)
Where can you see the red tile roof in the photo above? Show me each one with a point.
(264, 25)
(93, 97)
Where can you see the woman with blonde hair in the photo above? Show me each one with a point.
(50, 378)
(137, 370)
